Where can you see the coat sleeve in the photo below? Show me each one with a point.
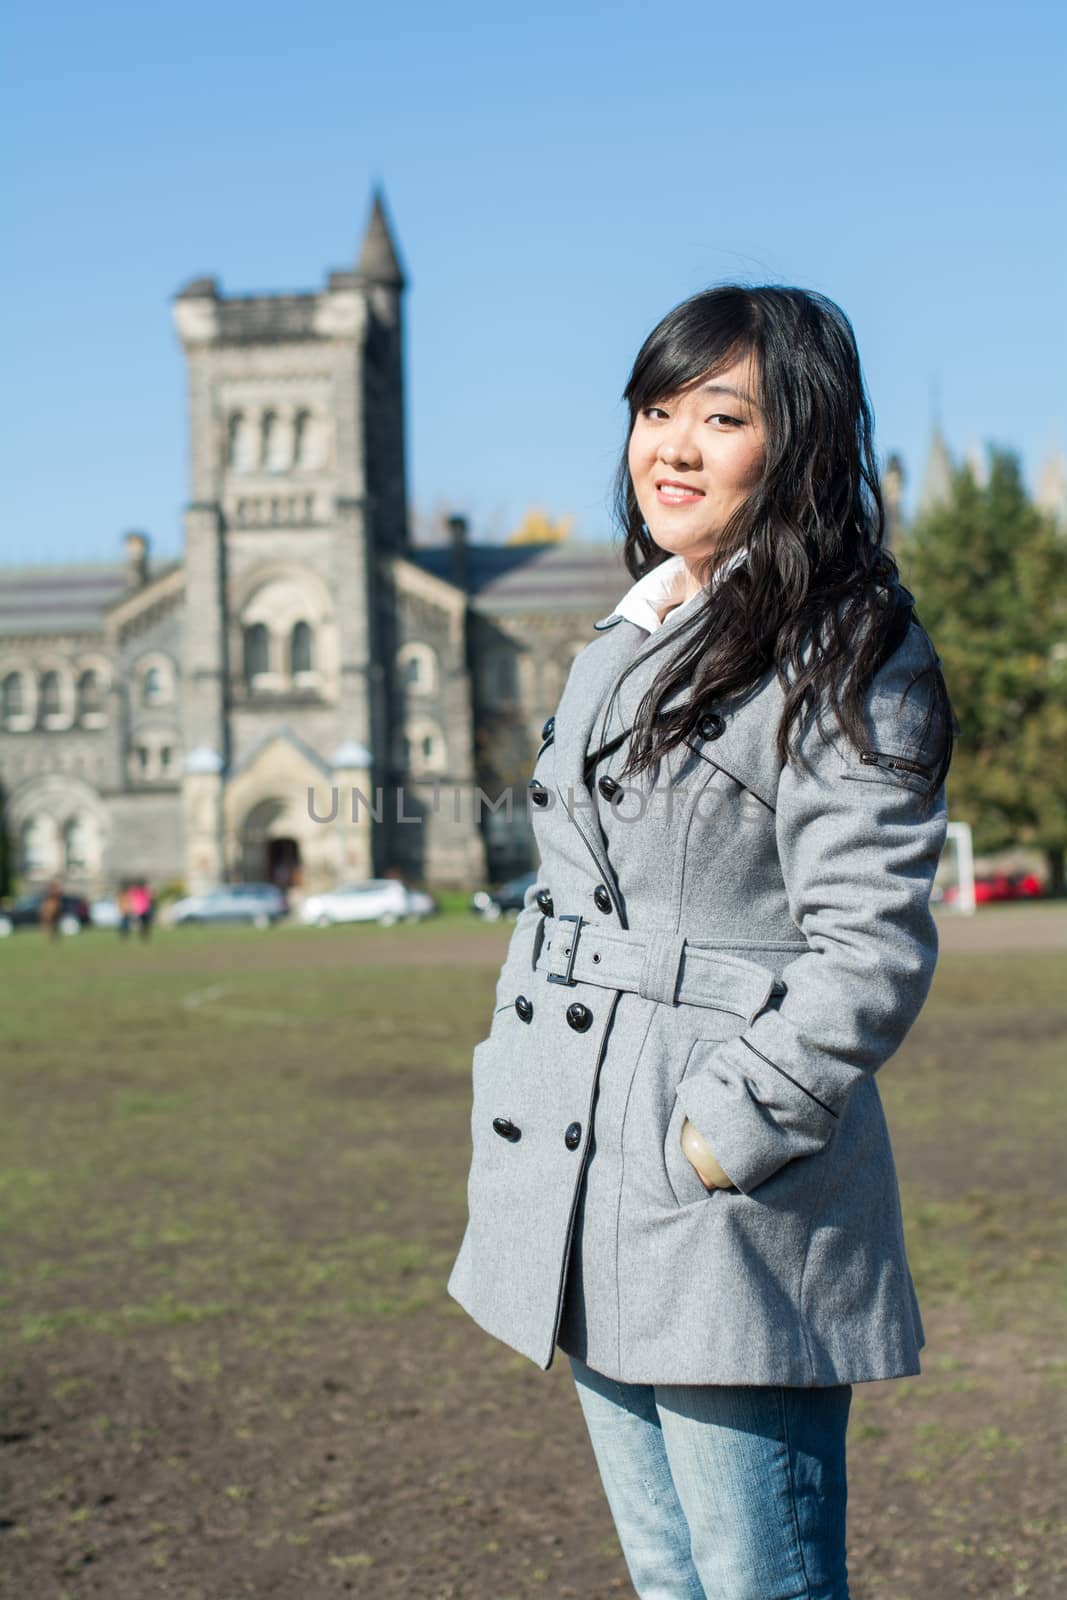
(858, 854)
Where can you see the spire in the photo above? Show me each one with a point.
(892, 484)
(978, 464)
(378, 258)
(1052, 487)
(937, 479)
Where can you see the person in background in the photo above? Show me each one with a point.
(124, 911)
(51, 907)
(147, 910)
(137, 899)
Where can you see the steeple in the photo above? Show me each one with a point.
(937, 479)
(1052, 487)
(378, 260)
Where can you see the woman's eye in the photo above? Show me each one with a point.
(716, 416)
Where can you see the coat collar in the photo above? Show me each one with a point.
(584, 715)
(646, 600)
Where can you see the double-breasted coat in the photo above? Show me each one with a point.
(738, 942)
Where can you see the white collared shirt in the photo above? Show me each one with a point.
(646, 601)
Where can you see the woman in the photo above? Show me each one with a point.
(681, 1171)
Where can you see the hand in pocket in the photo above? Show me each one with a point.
(698, 1154)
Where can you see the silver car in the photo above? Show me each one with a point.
(381, 900)
(260, 904)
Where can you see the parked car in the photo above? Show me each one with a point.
(25, 912)
(998, 886)
(260, 904)
(381, 900)
(503, 902)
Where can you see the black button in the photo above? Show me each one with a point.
(602, 898)
(524, 1007)
(506, 1128)
(544, 901)
(609, 787)
(548, 727)
(538, 792)
(573, 1136)
(580, 1017)
(712, 726)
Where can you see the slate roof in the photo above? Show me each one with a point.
(574, 576)
(571, 575)
(63, 599)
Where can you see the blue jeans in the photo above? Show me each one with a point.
(723, 1492)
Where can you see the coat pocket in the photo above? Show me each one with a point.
(686, 1184)
(887, 766)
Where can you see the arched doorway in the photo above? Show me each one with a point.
(269, 853)
(283, 863)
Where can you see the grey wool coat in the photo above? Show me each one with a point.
(738, 942)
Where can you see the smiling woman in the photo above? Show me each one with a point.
(681, 1173)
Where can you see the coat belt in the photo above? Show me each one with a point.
(659, 965)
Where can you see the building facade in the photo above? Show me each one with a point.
(304, 697)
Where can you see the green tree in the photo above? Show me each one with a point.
(989, 574)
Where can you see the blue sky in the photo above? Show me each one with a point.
(558, 178)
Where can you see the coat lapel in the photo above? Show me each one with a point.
(744, 748)
(578, 720)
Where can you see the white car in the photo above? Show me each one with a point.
(381, 900)
(104, 913)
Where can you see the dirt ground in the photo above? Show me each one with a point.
(229, 1367)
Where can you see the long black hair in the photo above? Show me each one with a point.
(817, 599)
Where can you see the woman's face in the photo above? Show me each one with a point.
(708, 438)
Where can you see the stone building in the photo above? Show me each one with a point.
(305, 696)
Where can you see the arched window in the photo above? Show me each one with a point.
(13, 697)
(51, 695)
(242, 444)
(301, 438)
(418, 667)
(424, 748)
(277, 442)
(309, 441)
(155, 676)
(300, 648)
(256, 651)
(79, 844)
(90, 697)
(36, 846)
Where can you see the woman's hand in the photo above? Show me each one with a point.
(695, 1149)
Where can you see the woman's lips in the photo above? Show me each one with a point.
(677, 497)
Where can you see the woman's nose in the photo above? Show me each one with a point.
(675, 455)
(678, 449)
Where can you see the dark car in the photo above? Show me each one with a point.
(25, 912)
(502, 902)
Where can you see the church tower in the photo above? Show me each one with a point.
(297, 507)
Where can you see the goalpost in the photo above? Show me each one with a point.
(955, 871)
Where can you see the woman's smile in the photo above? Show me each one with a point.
(669, 494)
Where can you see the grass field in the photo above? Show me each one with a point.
(233, 1183)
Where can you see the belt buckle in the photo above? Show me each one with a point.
(565, 977)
